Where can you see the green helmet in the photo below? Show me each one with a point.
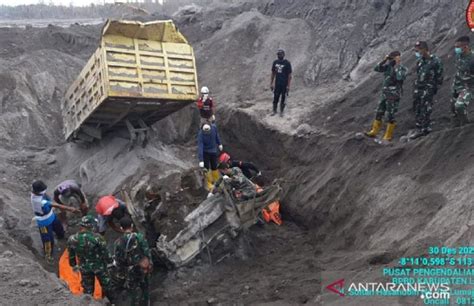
(88, 221)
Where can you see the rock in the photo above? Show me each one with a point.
(24, 282)
(7, 254)
(247, 287)
(51, 161)
(212, 300)
(404, 139)
(36, 291)
(303, 129)
(359, 136)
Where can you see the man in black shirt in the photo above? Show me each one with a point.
(246, 167)
(280, 82)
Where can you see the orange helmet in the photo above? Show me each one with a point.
(224, 158)
(106, 205)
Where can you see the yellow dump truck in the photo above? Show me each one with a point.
(140, 73)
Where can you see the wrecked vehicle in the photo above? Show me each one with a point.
(202, 228)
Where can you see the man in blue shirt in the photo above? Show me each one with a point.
(46, 218)
(209, 144)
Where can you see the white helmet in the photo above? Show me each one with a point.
(204, 90)
(206, 127)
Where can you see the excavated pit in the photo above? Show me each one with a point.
(344, 197)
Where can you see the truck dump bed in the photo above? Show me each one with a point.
(140, 71)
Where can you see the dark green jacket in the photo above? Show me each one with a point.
(130, 249)
(393, 76)
(464, 77)
(429, 73)
(90, 249)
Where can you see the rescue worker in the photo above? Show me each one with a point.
(69, 193)
(205, 104)
(394, 75)
(110, 209)
(88, 254)
(209, 144)
(235, 181)
(246, 167)
(463, 84)
(429, 77)
(280, 81)
(133, 259)
(47, 221)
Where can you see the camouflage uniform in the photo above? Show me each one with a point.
(392, 90)
(241, 186)
(91, 250)
(463, 86)
(130, 249)
(429, 78)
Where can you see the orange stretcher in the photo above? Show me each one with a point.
(73, 279)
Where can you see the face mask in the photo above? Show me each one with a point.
(418, 55)
(457, 50)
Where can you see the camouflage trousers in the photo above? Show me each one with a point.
(423, 107)
(88, 282)
(137, 287)
(388, 104)
(460, 100)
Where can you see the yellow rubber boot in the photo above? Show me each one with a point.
(210, 183)
(215, 176)
(389, 132)
(376, 125)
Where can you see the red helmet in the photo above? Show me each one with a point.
(106, 205)
(224, 158)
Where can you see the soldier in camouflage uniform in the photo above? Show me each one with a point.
(429, 71)
(394, 75)
(133, 258)
(233, 178)
(91, 251)
(463, 84)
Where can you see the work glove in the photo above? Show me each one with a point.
(221, 147)
(75, 268)
(287, 91)
(112, 264)
(226, 178)
(259, 174)
(213, 118)
(272, 87)
(201, 164)
(210, 195)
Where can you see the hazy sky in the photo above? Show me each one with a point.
(57, 2)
